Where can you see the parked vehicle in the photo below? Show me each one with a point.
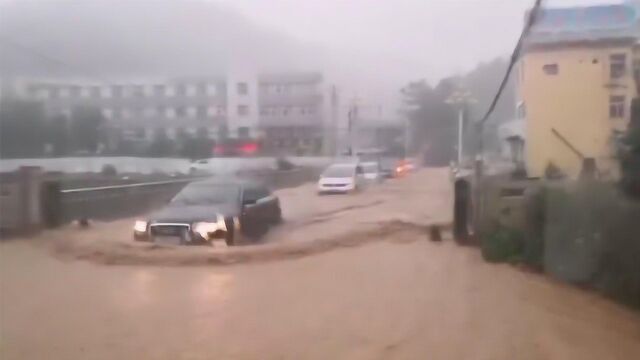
(213, 209)
(200, 166)
(341, 178)
(372, 172)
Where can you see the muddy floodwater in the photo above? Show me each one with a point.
(399, 296)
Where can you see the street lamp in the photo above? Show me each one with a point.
(460, 98)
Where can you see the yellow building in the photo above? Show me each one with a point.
(576, 82)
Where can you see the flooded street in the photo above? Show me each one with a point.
(401, 298)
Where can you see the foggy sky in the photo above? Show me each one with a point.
(425, 38)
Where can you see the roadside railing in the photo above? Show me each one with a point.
(105, 202)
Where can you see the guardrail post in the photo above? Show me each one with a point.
(51, 206)
(29, 178)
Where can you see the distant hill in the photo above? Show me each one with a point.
(128, 37)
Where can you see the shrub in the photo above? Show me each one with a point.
(109, 170)
(503, 244)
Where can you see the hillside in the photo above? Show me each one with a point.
(120, 37)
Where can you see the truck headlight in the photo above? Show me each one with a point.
(140, 226)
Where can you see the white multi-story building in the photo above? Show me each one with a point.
(288, 112)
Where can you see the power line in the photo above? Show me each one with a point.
(533, 14)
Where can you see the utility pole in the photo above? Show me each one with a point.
(460, 132)
(460, 98)
(352, 117)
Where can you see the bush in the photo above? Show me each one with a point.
(109, 170)
(284, 164)
(503, 244)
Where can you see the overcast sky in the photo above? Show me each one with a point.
(428, 38)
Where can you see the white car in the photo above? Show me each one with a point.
(341, 179)
(372, 172)
(201, 166)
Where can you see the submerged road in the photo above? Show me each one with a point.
(405, 298)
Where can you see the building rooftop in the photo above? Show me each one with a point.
(585, 24)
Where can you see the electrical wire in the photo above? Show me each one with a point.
(533, 14)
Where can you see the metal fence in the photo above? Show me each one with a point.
(105, 202)
(60, 206)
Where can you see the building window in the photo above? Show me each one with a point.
(107, 113)
(116, 91)
(264, 111)
(181, 90)
(221, 110)
(140, 133)
(180, 111)
(43, 93)
(137, 91)
(617, 65)
(243, 88)
(85, 92)
(202, 89)
(170, 113)
(95, 92)
(160, 110)
(550, 69)
(285, 111)
(72, 91)
(243, 110)
(149, 112)
(616, 106)
(106, 91)
(243, 132)
(201, 111)
(211, 90)
(192, 90)
(192, 111)
(158, 90)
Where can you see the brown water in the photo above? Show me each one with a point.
(406, 298)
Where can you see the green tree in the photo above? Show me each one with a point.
(432, 120)
(86, 128)
(200, 146)
(22, 128)
(161, 146)
(57, 135)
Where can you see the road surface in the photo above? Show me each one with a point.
(397, 297)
